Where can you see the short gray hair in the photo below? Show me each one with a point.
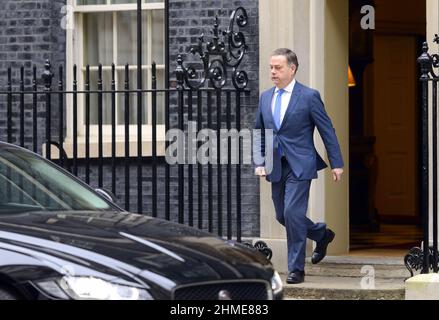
(289, 54)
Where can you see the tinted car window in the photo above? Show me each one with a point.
(28, 183)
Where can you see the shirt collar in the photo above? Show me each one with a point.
(289, 88)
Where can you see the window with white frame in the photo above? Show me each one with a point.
(105, 32)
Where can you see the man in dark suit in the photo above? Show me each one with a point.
(292, 111)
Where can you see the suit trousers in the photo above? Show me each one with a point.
(290, 197)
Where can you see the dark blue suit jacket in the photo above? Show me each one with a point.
(305, 112)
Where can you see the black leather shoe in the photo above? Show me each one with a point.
(296, 277)
(320, 251)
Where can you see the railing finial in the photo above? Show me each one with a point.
(47, 75)
(426, 62)
(179, 71)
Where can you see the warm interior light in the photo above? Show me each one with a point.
(351, 78)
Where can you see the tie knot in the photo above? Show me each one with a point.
(280, 91)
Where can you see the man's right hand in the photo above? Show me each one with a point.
(260, 172)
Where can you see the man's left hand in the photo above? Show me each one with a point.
(336, 174)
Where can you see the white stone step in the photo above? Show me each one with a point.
(351, 278)
(344, 288)
(348, 266)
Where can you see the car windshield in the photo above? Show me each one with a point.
(29, 183)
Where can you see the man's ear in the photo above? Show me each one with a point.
(293, 68)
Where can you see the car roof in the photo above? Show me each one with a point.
(13, 147)
(9, 145)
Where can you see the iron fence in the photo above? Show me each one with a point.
(425, 257)
(37, 118)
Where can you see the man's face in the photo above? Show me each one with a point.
(281, 73)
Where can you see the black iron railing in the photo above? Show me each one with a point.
(425, 258)
(36, 114)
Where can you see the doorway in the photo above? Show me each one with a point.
(384, 125)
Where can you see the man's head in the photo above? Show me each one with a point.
(283, 65)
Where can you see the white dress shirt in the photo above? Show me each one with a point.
(286, 96)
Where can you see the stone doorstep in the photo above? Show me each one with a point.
(348, 266)
(344, 288)
(357, 272)
(337, 270)
(363, 260)
(341, 278)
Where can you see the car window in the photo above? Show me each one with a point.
(28, 183)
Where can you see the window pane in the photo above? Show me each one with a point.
(147, 98)
(158, 36)
(98, 38)
(90, 2)
(123, 1)
(133, 98)
(101, 45)
(160, 97)
(86, 2)
(106, 97)
(134, 1)
(127, 37)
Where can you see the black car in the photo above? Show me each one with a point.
(59, 239)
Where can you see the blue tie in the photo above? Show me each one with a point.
(277, 114)
(277, 108)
